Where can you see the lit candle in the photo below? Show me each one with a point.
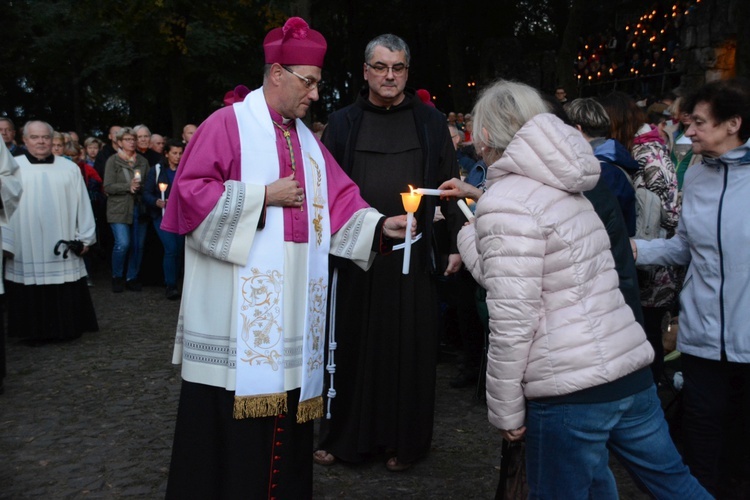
(465, 209)
(411, 204)
(137, 174)
(163, 187)
(428, 192)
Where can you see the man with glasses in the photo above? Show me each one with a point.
(262, 204)
(385, 389)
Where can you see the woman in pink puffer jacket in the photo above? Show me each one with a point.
(568, 365)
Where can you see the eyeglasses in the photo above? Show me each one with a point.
(382, 70)
(128, 139)
(309, 82)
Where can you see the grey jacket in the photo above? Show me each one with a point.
(713, 237)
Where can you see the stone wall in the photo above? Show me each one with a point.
(709, 42)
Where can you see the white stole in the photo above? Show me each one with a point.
(262, 359)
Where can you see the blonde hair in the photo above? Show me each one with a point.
(501, 110)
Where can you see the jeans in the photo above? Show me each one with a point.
(174, 246)
(567, 449)
(124, 234)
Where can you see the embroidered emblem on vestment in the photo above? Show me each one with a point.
(261, 328)
(317, 316)
(319, 202)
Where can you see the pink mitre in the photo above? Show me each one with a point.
(295, 44)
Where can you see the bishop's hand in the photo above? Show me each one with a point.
(285, 192)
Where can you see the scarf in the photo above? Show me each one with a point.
(272, 357)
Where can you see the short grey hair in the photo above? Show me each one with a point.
(10, 122)
(123, 132)
(137, 128)
(590, 115)
(501, 110)
(390, 42)
(32, 122)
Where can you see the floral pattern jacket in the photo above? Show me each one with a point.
(659, 284)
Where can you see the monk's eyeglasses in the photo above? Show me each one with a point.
(382, 70)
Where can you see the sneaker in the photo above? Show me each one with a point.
(118, 285)
(133, 285)
(172, 293)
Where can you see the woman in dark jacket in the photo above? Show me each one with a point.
(159, 181)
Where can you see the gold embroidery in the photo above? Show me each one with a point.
(317, 316)
(310, 409)
(318, 202)
(262, 332)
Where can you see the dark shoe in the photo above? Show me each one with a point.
(172, 293)
(134, 285)
(394, 465)
(465, 378)
(118, 285)
(322, 457)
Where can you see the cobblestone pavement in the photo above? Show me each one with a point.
(94, 417)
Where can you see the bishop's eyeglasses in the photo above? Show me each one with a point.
(309, 82)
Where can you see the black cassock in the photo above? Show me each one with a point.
(386, 322)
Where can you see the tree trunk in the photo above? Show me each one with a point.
(177, 96)
(568, 45)
(742, 13)
(301, 8)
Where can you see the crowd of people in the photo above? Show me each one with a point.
(596, 225)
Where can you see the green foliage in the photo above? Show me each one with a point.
(87, 64)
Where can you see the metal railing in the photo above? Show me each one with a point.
(655, 84)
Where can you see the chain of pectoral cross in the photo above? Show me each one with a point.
(288, 138)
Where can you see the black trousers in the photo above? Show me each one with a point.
(716, 434)
(215, 456)
(653, 318)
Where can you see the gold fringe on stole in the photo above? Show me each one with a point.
(266, 405)
(310, 409)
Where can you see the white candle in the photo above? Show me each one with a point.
(407, 243)
(429, 192)
(465, 209)
(411, 204)
(163, 187)
(137, 175)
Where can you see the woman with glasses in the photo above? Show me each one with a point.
(126, 211)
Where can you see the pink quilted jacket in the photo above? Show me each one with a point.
(558, 322)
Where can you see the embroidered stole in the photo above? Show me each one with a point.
(268, 360)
